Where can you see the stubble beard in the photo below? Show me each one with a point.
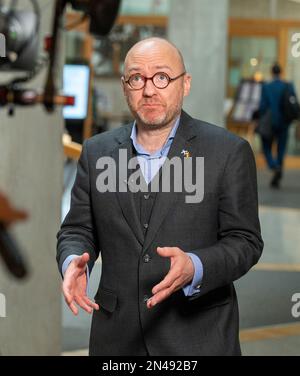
(160, 121)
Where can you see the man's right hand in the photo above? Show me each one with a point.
(75, 283)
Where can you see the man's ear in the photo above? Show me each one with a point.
(187, 84)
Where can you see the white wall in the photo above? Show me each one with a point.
(203, 43)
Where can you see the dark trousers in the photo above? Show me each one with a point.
(280, 136)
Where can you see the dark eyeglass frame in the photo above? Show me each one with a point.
(152, 79)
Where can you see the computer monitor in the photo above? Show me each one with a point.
(76, 79)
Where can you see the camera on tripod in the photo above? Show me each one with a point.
(20, 29)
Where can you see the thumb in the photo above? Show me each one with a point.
(83, 260)
(165, 251)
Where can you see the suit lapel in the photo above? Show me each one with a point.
(124, 195)
(164, 201)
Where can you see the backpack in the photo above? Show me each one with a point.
(290, 105)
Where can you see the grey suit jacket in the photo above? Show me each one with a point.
(223, 230)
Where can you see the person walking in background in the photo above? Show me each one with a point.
(272, 99)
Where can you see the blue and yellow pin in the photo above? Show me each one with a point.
(186, 153)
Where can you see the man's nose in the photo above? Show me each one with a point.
(149, 89)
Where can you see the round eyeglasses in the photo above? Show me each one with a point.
(160, 80)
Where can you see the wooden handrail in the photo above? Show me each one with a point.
(71, 149)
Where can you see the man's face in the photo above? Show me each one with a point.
(151, 106)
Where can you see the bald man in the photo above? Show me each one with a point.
(169, 253)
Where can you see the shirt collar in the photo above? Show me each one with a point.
(141, 150)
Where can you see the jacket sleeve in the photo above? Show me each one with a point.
(77, 233)
(239, 244)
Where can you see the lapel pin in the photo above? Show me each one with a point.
(186, 153)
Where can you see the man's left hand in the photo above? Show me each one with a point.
(181, 273)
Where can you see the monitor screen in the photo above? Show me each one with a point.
(76, 79)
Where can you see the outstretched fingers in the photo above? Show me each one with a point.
(90, 303)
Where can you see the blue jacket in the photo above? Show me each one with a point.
(271, 98)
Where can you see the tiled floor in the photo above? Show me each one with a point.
(280, 231)
(264, 294)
